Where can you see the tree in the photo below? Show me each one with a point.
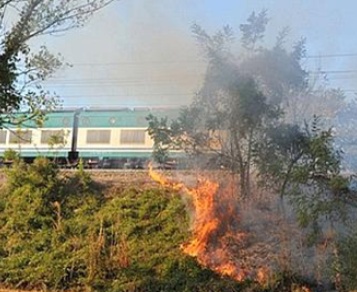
(242, 102)
(282, 77)
(228, 116)
(21, 69)
(278, 72)
(243, 117)
(253, 31)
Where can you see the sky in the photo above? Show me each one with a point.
(142, 53)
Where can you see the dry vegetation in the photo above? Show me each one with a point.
(271, 246)
(68, 231)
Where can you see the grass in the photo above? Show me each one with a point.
(68, 233)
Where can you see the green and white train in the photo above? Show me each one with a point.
(107, 138)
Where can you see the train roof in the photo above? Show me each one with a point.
(103, 118)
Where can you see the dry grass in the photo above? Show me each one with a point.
(19, 290)
(273, 242)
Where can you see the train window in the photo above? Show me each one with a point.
(132, 137)
(98, 136)
(52, 137)
(20, 137)
(3, 134)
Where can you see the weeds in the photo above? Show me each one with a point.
(62, 232)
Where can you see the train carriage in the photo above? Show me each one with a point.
(109, 138)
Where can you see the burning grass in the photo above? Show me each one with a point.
(246, 240)
(62, 233)
(133, 236)
(215, 230)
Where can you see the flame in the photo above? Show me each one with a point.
(262, 275)
(162, 180)
(204, 225)
(216, 238)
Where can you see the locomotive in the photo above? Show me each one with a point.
(101, 138)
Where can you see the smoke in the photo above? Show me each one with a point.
(141, 52)
(132, 53)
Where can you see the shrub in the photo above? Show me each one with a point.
(60, 232)
(347, 267)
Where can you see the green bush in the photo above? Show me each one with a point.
(348, 260)
(60, 232)
(43, 215)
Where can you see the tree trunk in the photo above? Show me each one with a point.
(244, 182)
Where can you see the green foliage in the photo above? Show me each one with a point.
(22, 70)
(303, 165)
(160, 134)
(253, 31)
(348, 260)
(60, 232)
(227, 119)
(276, 71)
(249, 115)
(238, 103)
(320, 191)
(216, 46)
(11, 155)
(146, 229)
(43, 218)
(276, 155)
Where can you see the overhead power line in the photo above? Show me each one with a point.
(333, 71)
(163, 78)
(126, 95)
(163, 62)
(196, 61)
(342, 55)
(156, 62)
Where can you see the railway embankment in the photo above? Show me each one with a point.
(95, 231)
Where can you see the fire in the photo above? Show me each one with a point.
(161, 179)
(216, 239)
(262, 275)
(203, 201)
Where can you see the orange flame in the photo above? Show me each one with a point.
(162, 180)
(203, 228)
(216, 238)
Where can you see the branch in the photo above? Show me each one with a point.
(68, 16)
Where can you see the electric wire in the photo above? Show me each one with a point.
(168, 79)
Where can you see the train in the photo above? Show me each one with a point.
(101, 138)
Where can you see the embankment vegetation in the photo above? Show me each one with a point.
(264, 118)
(66, 232)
